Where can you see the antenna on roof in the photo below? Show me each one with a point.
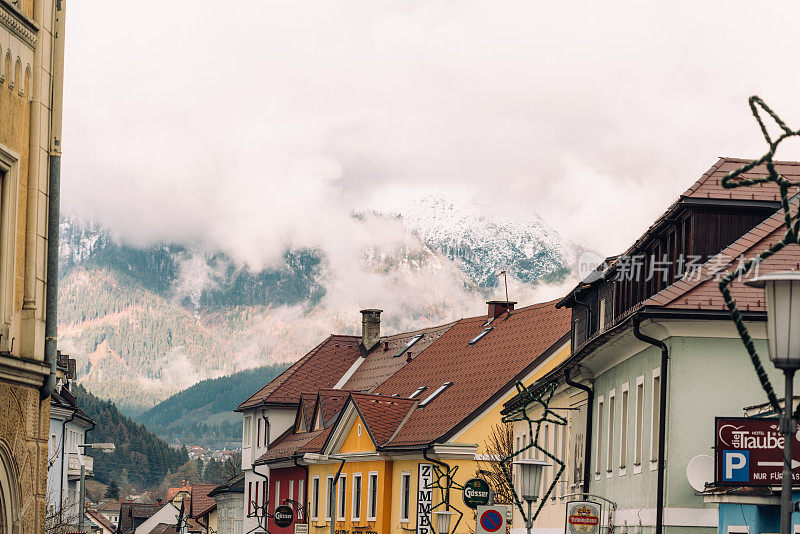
(505, 278)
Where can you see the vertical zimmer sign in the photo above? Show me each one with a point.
(424, 498)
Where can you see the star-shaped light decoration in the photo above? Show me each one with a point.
(735, 179)
(529, 399)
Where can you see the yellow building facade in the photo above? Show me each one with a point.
(31, 66)
(400, 499)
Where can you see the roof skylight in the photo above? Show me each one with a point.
(417, 392)
(408, 345)
(479, 336)
(435, 394)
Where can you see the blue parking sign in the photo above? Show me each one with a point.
(736, 466)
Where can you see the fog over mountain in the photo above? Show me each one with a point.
(146, 320)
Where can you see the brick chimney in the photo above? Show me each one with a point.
(370, 328)
(499, 307)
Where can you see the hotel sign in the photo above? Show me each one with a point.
(424, 498)
(749, 452)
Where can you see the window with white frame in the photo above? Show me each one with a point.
(564, 458)
(290, 496)
(655, 416)
(246, 432)
(277, 498)
(545, 445)
(405, 495)
(258, 431)
(638, 425)
(599, 441)
(355, 504)
(301, 498)
(612, 399)
(264, 493)
(372, 497)
(602, 315)
(623, 427)
(341, 507)
(315, 498)
(9, 186)
(556, 437)
(329, 498)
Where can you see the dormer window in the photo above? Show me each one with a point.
(435, 394)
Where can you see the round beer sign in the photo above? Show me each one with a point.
(583, 517)
(476, 492)
(283, 516)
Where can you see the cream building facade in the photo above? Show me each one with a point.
(31, 67)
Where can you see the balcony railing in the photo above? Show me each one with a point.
(74, 465)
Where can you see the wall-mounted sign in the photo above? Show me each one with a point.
(749, 452)
(583, 517)
(491, 519)
(476, 493)
(283, 516)
(424, 498)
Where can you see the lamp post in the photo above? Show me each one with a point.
(782, 290)
(531, 478)
(104, 447)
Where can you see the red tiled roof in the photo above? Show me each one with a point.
(478, 372)
(710, 184)
(383, 361)
(322, 367)
(286, 446)
(99, 518)
(130, 511)
(382, 415)
(331, 402)
(109, 506)
(201, 502)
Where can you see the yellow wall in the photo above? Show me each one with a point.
(482, 427)
(357, 439)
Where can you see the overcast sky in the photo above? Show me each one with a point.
(252, 125)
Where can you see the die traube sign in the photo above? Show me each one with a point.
(749, 452)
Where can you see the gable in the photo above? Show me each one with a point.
(357, 438)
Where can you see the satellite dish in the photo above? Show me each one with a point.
(700, 471)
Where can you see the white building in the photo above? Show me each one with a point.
(68, 427)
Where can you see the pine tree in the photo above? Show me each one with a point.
(112, 491)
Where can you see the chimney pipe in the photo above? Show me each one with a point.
(499, 307)
(370, 328)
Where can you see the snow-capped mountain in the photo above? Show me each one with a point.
(484, 242)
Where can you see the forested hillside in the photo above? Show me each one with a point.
(203, 414)
(141, 457)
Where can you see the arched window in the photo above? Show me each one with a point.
(27, 87)
(7, 68)
(9, 494)
(17, 74)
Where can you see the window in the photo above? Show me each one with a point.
(610, 434)
(329, 498)
(301, 498)
(564, 458)
(340, 505)
(638, 425)
(249, 499)
(355, 505)
(258, 432)
(277, 497)
(315, 498)
(546, 470)
(602, 317)
(291, 490)
(264, 493)
(556, 436)
(435, 394)
(600, 406)
(479, 336)
(623, 428)
(408, 345)
(246, 433)
(417, 392)
(372, 495)
(405, 494)
(655, 416)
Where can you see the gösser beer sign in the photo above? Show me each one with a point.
(749, 452)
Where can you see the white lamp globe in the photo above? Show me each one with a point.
(443, 521)
(782, 290)
(531, 474)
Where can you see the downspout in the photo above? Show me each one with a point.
(662, 421)
(587, 455)
(53, 201)
(440, 462)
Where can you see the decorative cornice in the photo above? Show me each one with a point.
(18, 24)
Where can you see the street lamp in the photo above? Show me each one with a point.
(783, 333)
(531, 478)
(443, 521)
(103, 447)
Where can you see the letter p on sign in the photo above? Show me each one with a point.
(736, 466)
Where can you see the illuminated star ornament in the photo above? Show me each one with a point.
(735, 179)
(530, 398)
